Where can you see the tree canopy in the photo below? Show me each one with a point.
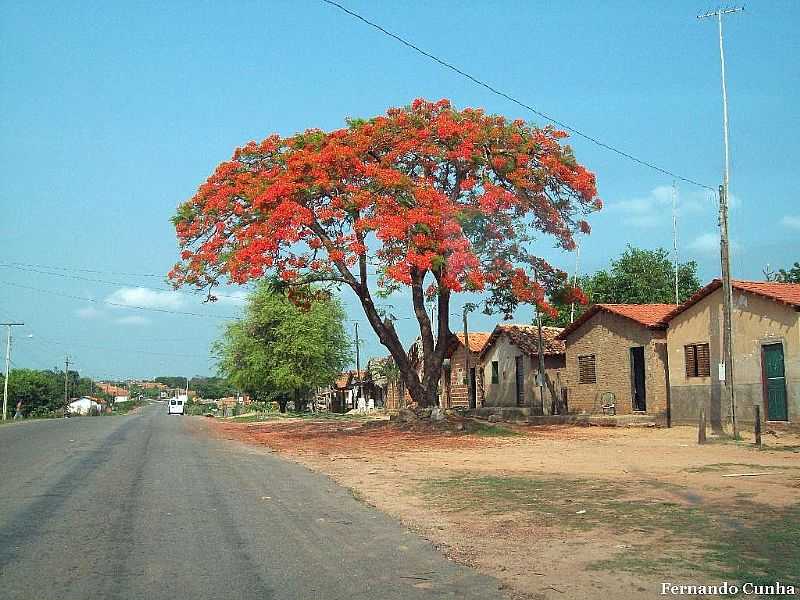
(43, 391)
(279, 350)
(426, 196)
(638, 276)
(792, 275)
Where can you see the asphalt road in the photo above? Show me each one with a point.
(149, 506)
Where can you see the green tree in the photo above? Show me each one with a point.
(282, 351)
(212, 388)
(637, 277)
(34, 390)
(784, 276)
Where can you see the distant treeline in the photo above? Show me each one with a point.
(206, 387)
(38, 392)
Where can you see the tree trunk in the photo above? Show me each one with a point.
(282, 402)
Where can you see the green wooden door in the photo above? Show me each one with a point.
(775, 383)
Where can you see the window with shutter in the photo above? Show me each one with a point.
(703, 360)
(698, 361)
(691, 360)
(586, 369)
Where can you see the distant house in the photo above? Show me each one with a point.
(616, 359)
(462, 386)
(85, 406)
(347, 391)
(510, 364)
(766, 354)
(385, 386)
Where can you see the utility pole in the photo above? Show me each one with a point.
(541, 356)
(8, 363)
(727, 287)
(468, 308)
(675, 238)
(358, 368)
(575, 279)
(541, 361)
(66, 380)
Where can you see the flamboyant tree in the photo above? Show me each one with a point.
(430, 197)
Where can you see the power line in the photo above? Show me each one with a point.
(118, 349)
(24, 264)
(107, 282)
(502, 94)
(117, 304)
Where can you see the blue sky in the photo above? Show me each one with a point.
(113, 113)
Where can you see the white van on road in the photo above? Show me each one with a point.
(175, 406)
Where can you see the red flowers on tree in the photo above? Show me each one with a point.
(428, 196)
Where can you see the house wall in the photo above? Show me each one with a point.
(504, 393)
(459, 391)
(757, 321)
(610, 337)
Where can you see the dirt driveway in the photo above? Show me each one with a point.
(570, 512)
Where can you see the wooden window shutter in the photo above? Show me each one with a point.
(586, 369)
(703, 360)
(691, 360)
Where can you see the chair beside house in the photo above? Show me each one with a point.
(616, 360)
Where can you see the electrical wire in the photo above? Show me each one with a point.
(117, 304)
(502, 94)
(107, 282)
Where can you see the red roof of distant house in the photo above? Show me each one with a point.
(651, 316)
(477, 339)
(526, 338)
(784, 293)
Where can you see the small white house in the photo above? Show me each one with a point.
(83, 406)
(121, 399)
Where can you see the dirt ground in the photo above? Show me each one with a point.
(569, 512)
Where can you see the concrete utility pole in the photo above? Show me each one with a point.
(66, 381)
(8, 363)
(727, 287)
(358, 368)
(468, 308)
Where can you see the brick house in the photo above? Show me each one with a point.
(510, 364)
(461, 386)
(616, 355)
(766, 354)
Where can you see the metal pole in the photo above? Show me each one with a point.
(575, 279)
(8, 363)
(675, 238)
(727, 286)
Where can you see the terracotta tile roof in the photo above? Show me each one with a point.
(652, 316)
(784, 293)
(526, 338)
(477, 339)
(349, 376)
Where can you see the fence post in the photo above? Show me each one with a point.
(701, 427)
(757, 427)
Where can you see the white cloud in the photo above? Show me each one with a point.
(791, 221)
(89, 312)
(655, 209)
(705, 243)
(147, 298)
(708, 244)
(133, 320)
